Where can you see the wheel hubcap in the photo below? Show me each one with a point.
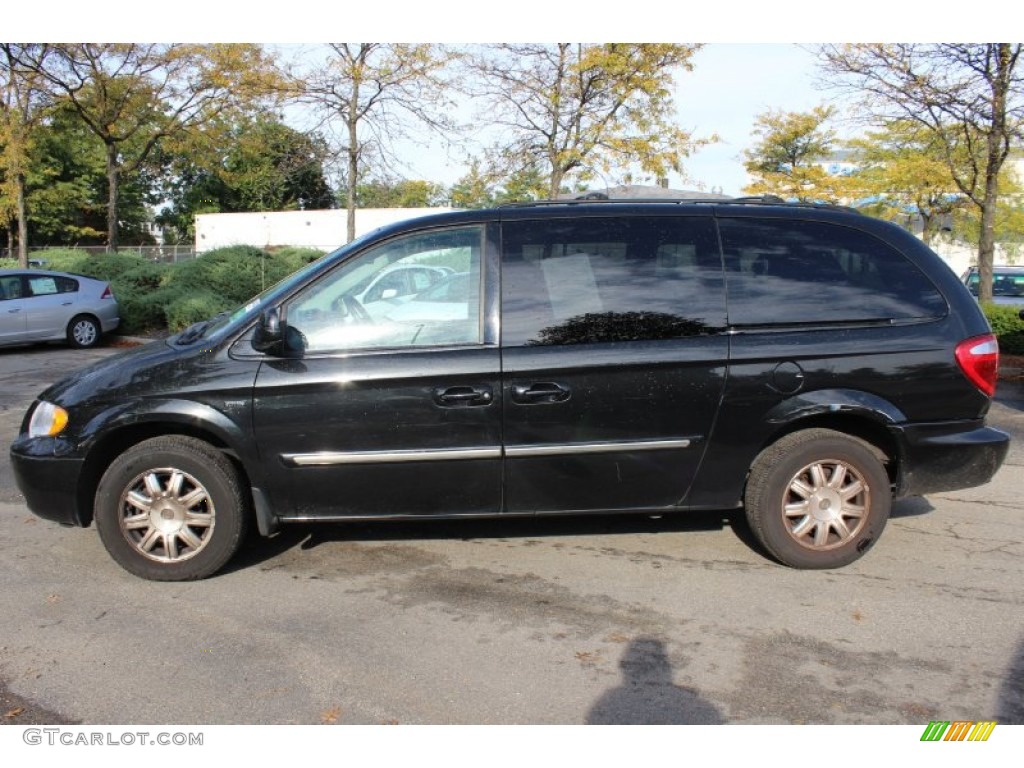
(85, 333)
(826, 504)
(167, 515)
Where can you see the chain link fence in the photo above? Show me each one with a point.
(167, 254)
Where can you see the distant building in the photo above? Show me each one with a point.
(324, 230)
(841, 163)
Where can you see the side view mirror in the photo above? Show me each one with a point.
(269, 335)
(388, 293)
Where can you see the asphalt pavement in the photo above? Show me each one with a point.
(594, 620)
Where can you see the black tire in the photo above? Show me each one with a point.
(171, 509)
(818, 498)
(84, 331)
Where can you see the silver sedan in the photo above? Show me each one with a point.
(39, 305)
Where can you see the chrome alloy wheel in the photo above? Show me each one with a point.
(826, 504)
(167, 515)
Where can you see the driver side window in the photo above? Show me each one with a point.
(375, 301)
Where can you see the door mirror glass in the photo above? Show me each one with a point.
(269, 335)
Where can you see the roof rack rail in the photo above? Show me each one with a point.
(600, 198)
(776, 200)
(765, 199)
(594, 200)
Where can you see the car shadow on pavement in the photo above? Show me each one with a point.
(648, 695)
(1011, 695)
(1010, 393)
(258, 550)
(911, 506)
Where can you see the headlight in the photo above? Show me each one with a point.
(48, 420)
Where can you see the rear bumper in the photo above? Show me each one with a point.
(49, 484)
(109, 318)
(948, 456)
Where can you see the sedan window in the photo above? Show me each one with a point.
(10, 287)
(50, 285)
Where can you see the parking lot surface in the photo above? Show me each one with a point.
(613, 619)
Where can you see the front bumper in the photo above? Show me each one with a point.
(49, 483)
(948, 456)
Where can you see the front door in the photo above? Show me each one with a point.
(395, 413)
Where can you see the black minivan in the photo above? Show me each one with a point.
(806, 363)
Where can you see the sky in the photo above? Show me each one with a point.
(757, 55)
(729, 86)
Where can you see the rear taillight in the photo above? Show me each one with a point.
(978, 358)
(107, 293)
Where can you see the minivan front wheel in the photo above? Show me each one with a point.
(171, 509)
(818, 498)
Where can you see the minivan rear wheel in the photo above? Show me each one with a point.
(818, 498)
(171, 509)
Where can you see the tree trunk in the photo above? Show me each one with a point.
(353, 172)
(112, 183)
(555, 187)
(22, 223)
(987, 241)
(995, 155)
(927, 228)
(352, 122)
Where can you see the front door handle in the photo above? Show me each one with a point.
(540, 393)
(465, 396)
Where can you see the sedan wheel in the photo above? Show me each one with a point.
(83, 332)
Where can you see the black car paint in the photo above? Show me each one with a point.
(743, 388)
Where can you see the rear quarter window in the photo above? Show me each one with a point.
(793, 272)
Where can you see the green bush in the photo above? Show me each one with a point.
(1007, 326)
(102, 266)
(154, 296)
(135, 289)
(294, 258)
(141, 310)
(236, 273)
(185, 309)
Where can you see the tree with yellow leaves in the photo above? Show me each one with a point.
(787, 160)
(132, 96)
(376, 93)
(904, 173)
(576, 110)
(22, 108)
(969, 96)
